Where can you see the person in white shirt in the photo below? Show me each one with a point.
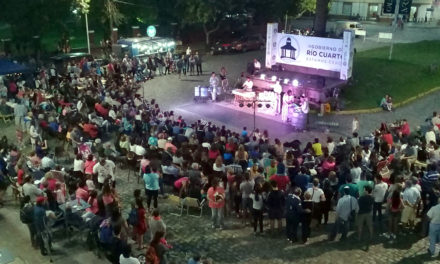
(257, 66)
(126, 258)
(379, 191)
(411, 198)
(317, 196)
(434, 230)
(248, 84)
(356, 172)
(355, 125)
(430, 136)
(213, 83)
(188, 51)
(105, 169)
(78, 163)
(287, 100)
(277, 90)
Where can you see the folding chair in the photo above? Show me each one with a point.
(175, 202)
(194, 203)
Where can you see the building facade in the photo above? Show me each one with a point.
(421, 10)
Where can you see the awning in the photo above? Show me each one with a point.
(8, 67)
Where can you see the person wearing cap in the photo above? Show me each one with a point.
(345, 209)
(104, 169)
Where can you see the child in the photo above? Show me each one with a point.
(306, 218)
(89, 183)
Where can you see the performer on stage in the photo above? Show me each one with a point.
(288, 99)
(257, 66)
(248, 84)
(305, 108)
(213, 83)
(278, 89)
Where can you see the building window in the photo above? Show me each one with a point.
(346, 9)
(373, 10)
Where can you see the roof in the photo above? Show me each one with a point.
(8, 67)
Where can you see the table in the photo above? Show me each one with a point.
(74, 205)
(6, 256)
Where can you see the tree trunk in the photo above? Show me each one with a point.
(208, 32)
(320, 17)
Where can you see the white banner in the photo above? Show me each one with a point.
(311, 52)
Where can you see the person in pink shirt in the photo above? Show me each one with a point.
(107, 194)
(93, 201)
(216, 198)
(169, 145)
(88, 165)
(81, 192)
(280, 178)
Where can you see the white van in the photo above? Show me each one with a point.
(340, 26)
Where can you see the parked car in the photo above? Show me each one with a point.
(340, 26)
(62, 60)
(240, 44)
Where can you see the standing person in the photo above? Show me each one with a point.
(275, 203)
(126, 258)
(198, 63)
(192, 63)
(20, 112)
(411, 199)
(434, 230)
(355, 125)
(157, 249)
(366, 202)
(317, 196)
(278, 90)
(257, 208)
(379, 191)
(141, 226)
(213, 83)
(156, 223)
(26, 217)
(287, 100)
(216, 198)
(246, 188)
(395, 206)
(151, 181)
(345, 209)
(306, 217)
(326, 206)
(294, 211)
(40, 218)
(104, 169)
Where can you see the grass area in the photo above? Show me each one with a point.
(406, 75)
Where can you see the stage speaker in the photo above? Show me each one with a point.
(201, 94)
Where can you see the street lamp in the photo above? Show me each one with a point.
(84, 4)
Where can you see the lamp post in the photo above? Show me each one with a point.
(85, 10)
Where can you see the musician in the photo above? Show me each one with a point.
(305, 108)
(288, 100)
(278, 89)
(257, 66)
(213, 83)
(248, 84)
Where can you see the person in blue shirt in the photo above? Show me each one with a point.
(244, 133)
(302, 180)
(152, 185)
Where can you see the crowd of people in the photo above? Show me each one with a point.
(99, 117)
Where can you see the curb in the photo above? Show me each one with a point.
(396, 105)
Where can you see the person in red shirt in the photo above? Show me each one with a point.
(101, 109)
(216, 198)
(141, 227)
(280, 178)
(81, 192)
(405, 130)
(387, 137)
(90, 129)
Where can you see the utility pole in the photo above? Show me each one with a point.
(87, 30)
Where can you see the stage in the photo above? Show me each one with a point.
(235, 118)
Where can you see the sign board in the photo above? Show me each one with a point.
(389, 6)
(385, 35)
(328, 54)
(151, 31)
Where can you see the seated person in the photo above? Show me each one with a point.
(248, 84)
(89, 129)
(386, 103)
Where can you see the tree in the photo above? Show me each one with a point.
(321, 17)
(113, 15)
(208, 13)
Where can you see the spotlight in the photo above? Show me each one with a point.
(286, 81)
(274, 78)
(295, 83)
(260, 105)
(249, 105)
(241, 105)
(267, 105)
(262, 76)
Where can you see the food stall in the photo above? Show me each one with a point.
(145, 46)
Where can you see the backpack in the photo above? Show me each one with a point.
(151, 256)
(106, 232)
(133, 217)
(27, 214)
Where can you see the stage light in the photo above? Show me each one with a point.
(262, 76)
(295, 83)
(260, 105)
(286, 81)
(241, 105)
(249, 105)
(274, 78)
(267, 105)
